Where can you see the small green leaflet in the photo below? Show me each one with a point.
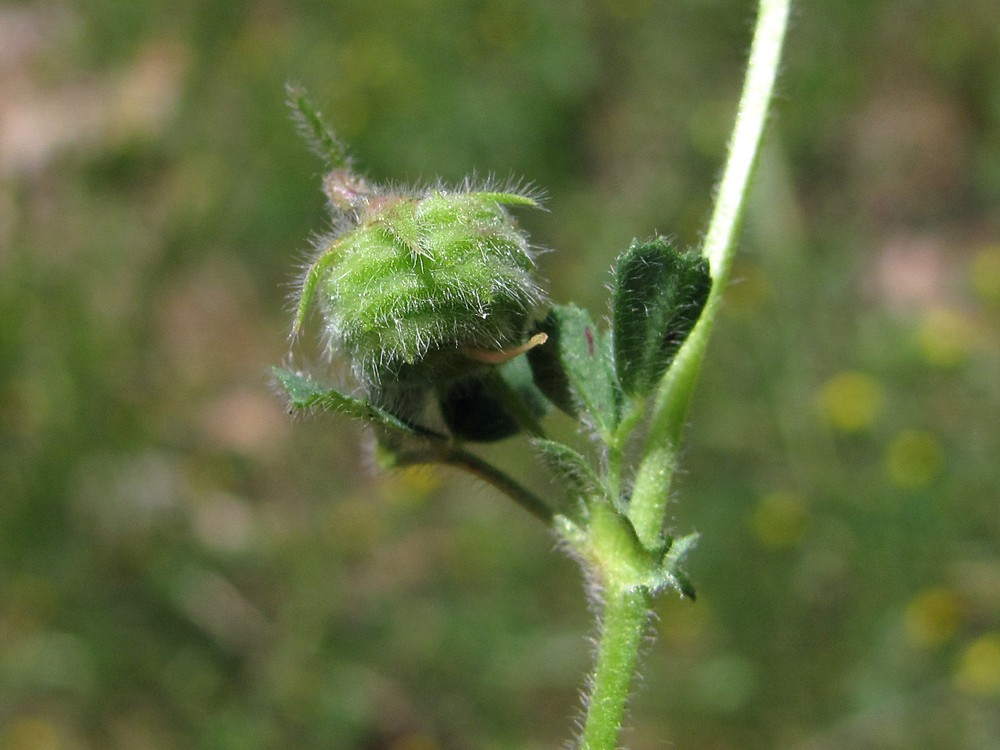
(305, 393)
(659, 295)
(573, 368)
(572, 470)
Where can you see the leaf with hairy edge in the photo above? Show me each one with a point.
(572, 470)
(305, 393)
(659, 294)
(573, 369)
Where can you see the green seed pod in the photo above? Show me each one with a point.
(422, 289)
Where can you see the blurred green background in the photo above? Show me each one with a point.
(183, 566)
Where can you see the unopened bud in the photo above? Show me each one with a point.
(426, 288)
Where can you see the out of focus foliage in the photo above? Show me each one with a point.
(183, 567)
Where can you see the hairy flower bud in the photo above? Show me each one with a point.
(423, 288)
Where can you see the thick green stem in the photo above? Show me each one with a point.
(623, 627)
(626, 604)
(673, 395)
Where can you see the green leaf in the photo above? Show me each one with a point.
(673, 564)
(573, 471)
(573, 368)
(509, 199)
(305, 393)
(659, 294)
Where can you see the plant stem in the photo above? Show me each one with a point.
(758, 88)
(673, 395)
(501, 481)
(626, 606)
(623, 627)
(443, 453)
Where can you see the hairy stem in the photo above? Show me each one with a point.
(673, 395)
(626, 607)
(623, 627)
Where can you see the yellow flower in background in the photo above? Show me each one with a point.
(932, 617)
(410, 486)
(779, 520)
(913, 458)
(851, 401)
(946, 337)
(978, 669)
(985, 274)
